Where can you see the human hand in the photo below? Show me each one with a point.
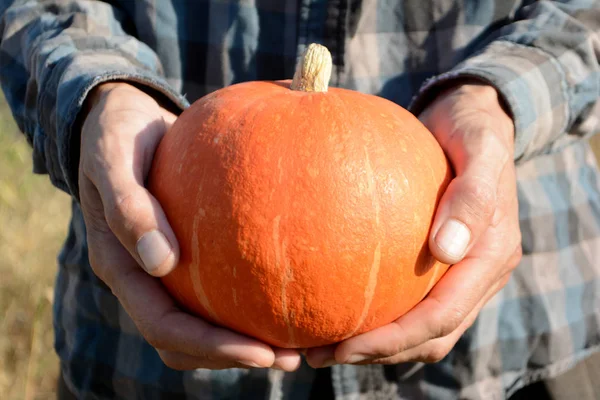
(126, 229)
(476, 228)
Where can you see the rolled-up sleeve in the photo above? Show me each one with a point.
(52, 54)
(545, 65)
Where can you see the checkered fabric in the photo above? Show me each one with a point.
(542, 56)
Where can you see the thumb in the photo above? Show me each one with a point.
(132, 213)
(139, 222)
(467, 207)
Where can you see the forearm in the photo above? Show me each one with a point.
(56, 52)
(545, 66)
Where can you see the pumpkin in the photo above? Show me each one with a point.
(302, 212)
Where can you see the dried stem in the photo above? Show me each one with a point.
(313, 70)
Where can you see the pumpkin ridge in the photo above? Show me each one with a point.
(194, 271)
(370, 287)
(375, 266)
(244, 164)
(256, 97)
(282, 263)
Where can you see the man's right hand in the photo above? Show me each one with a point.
(126, 229)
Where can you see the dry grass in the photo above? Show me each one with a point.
(33, 222)
(596, 145)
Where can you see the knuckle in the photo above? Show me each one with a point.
(85, 165)
(209, 350)
(173, 361)
(445, 321)
(516, 257)
(93, 215)
(121, 209)
(449, 323)
(519, 251)
(384, 361)
(153, 335)
(95, 263)
(478, 198)
(504, 281)
(389, 349)
(99, 265)
(435, 353)
(95, 224)
(493, 147)
(396, 345)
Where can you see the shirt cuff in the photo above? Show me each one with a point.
(62, 100)
(531, 83)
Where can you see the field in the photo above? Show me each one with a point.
(33, 224)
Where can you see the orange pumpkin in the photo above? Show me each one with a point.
(302, 212)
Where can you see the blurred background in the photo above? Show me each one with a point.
(33, 223)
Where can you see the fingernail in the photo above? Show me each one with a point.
(453, 238)
(153, 248)
(355, 358)
(328, 363)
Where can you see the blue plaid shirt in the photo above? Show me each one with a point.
(542, 56)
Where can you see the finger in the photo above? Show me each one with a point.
(501, 239)
(468, 204)
(321, 357)
(387, 341)
(139, 222)
(133, 214)
(185, 362)
(166, 327)
(156, 316)
(437, 349)
(161, 323)
(438, 315)
(287, 359)
(326, 356)
(98, 232)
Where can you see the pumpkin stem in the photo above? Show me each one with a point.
(313, 70)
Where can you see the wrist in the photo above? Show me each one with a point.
(95, 95)
(486, 100)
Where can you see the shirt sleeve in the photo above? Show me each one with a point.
(52, 54)
(545, 65)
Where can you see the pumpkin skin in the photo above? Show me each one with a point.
(302, 217)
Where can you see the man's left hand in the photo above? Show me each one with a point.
(476, 228)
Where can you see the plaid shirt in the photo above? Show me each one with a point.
(542, 56)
